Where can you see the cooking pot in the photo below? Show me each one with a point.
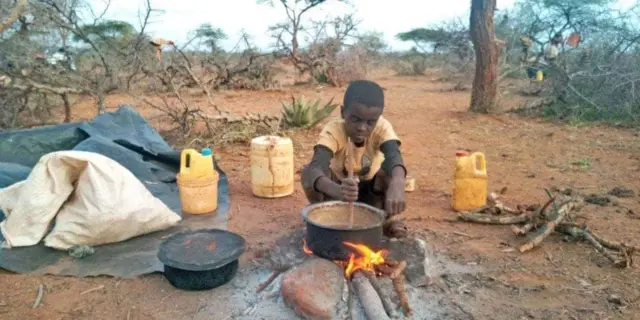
(201, 259)
(328, 228)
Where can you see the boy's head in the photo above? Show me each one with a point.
(362, 107)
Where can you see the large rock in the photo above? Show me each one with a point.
(313, 289)
(415, 252)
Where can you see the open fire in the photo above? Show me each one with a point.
(372, 264)
(366, 260)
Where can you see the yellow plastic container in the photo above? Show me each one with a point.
(470, 182)
(198, 182)
(539, 75)
(272, 167)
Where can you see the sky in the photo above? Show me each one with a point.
(179, 17)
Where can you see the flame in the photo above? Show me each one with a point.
(305, 248)
(366, 260)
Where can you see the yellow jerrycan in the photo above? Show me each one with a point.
(198, 182)
(470, 181)
(272, 171)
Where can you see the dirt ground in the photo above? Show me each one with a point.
(559, 280)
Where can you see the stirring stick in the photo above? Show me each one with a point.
(350, 170)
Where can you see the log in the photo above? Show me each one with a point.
(373, 308)
(386, 303)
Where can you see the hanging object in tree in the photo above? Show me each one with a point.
(158, 43)
(574, 39)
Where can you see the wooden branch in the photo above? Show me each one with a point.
(617, 262)
(521, 231)
(264, 285)
(614, 245)
(398, 284)
(549, 227)
(386, 303)
(582, 232)
(46, 88)
(373, 308)
(14, 15)
(487, 219)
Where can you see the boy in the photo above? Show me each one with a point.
(379, 172)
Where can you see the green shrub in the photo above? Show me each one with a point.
(300, 113)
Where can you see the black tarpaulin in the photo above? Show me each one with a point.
(127, 138)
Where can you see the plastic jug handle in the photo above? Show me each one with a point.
(185, 160)
(479, 163)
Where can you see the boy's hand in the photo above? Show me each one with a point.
(395, 203)
(349, 188)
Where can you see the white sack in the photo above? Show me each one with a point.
(93, 199)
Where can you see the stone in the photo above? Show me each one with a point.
(313, 289)
(414, 252)
(287, 251)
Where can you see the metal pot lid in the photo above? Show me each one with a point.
(201, 250)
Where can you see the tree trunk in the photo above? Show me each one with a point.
(485, 82)
(67, 108)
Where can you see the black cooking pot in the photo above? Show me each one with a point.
(328, 228)
(201, 259)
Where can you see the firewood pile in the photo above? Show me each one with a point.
(537, 222)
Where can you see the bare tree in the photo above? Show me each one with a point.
(19, 7)
(324, 39)
(53, 52)
(485, 82)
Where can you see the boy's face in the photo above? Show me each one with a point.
(359, 120)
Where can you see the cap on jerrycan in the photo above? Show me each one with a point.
(206, 152)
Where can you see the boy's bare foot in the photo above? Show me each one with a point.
(395, 229)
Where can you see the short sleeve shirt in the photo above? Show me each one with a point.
(368, 158)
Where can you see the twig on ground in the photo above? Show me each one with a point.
(521, 231)
(583, 233)
(264, 285)
(617, 262)
(614, 245)
(91, 290)
(39, 296)
(486, 219)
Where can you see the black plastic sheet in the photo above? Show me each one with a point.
(127, 138)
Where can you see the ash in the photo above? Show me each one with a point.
(428, 286)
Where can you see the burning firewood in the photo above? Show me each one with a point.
(386, 303)
(370, 300)
(395, 271)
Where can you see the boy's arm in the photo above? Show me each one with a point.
(316, 175)
(393, 163)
